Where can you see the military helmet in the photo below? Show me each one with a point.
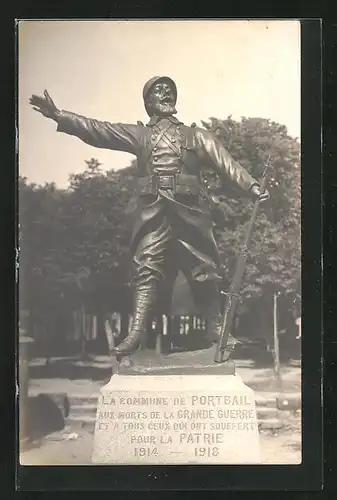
(149, 84)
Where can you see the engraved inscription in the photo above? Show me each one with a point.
(196, 424)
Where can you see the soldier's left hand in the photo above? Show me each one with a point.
(260, 196)
(264, 196)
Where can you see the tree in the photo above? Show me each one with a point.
(274, 262)
(74, 245)
(39, 233)
(96, 239)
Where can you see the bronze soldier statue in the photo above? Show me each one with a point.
(172, 222)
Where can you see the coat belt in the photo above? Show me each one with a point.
(178, 183)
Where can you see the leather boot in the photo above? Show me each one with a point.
(143, 310)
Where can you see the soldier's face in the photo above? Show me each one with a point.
(161, 99)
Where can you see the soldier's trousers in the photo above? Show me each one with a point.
(168, 241)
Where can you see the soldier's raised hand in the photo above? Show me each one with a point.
(44, 105)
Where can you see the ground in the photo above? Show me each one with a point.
(73, 445)
(75, 448)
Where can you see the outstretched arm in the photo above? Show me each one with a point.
(116, 136)
(230, 171)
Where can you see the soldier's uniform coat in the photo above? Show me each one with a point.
(172, 222)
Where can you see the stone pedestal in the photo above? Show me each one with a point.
(176, 419)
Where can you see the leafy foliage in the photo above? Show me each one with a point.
(274, 262)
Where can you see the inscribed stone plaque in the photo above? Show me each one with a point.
(176, 419)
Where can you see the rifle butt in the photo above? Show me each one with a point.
(219, 355)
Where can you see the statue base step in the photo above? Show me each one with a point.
(176, 419)
(146, 362)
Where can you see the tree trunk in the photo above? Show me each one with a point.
(101, 343)
(276, 351)
(31, 323)
(83, 353)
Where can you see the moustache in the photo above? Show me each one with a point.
(167, 99)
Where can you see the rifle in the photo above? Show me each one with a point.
(233, 294)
